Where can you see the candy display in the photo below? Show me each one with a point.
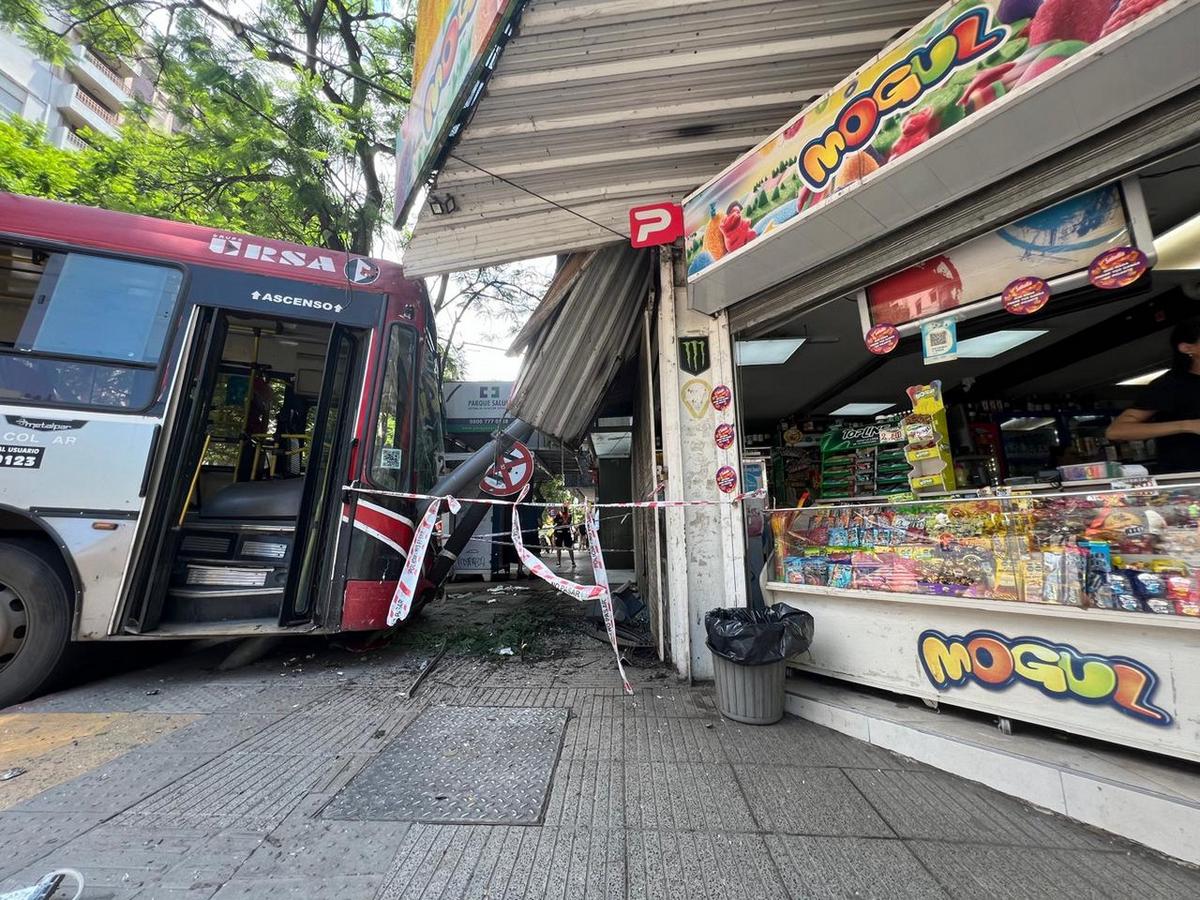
(863, 460)
(1125, 550)
(925, 435)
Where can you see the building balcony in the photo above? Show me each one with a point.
(65, 138)
(99, 78)
(79, 110)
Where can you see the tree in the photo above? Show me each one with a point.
(504, 296)
(303, 96)
(147, 172)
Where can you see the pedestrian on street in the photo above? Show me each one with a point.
(564, 533)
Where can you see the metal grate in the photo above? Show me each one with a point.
(264, 549)
(206, 544)
(228, 577)
(483, 765)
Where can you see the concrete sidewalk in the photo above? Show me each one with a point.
(312, 774)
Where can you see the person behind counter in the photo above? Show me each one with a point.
(1168, 409)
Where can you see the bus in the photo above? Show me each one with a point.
(182, 410)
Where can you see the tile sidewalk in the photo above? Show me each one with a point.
(652, 796)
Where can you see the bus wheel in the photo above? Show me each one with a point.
(35, 624)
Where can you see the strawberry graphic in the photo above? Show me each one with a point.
(1069, 20)
(1126, 12)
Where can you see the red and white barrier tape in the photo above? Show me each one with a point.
(600, 575)
(406, 587)
(495, 501)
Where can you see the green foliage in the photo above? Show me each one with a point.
(285, 112)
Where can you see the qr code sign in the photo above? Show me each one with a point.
(939, 341)
(391, 458)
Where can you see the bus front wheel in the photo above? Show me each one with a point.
(35, 624)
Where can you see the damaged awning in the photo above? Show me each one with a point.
(595, 106)
(578, 338)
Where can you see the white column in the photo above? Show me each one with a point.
(705, 545)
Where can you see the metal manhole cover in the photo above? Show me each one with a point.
(481, 765)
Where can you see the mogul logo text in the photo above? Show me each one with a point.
(966, 39)
(996, 662)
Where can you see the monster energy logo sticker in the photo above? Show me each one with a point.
(693, 355)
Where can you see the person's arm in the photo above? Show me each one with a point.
(1135, 425)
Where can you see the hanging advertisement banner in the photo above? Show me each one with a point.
(1117, 268)
(1050, 243)
(965, 56)
(450, 66)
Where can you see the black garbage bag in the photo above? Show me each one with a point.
(756, 637)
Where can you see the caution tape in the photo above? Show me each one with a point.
(406, 587)
(600, 575)
(495, 501)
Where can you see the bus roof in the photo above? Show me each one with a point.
(104, 229)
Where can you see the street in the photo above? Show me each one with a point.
(312, 774)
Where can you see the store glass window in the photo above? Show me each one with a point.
(390, 442)
(82, 330)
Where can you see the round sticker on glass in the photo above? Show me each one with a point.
(1117, 268)
(722, 396)
(1025, 296)
(726, 479)
(724, 435)
(882, 339)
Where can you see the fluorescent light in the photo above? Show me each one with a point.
(770, 352)
(1027, 423)
(988, 345)
(861, 409)
(1139, 380)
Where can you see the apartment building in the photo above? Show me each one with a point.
(87, 91)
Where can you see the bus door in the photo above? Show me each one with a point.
(167, 483)
(312, 576)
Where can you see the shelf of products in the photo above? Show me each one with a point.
(1133, 550)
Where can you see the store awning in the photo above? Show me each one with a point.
(1088, 112)
(582, 342)
(597, 106)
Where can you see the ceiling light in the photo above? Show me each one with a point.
(1139, 380)
(1027, 423)
(861, 409)
(770, 352)
(988, 345)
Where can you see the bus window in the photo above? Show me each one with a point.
(82, 330)
(429, 447)
(388, 463)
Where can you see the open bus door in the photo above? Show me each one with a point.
(313, 550)
(164, 484)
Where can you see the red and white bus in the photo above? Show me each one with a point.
(181, 410)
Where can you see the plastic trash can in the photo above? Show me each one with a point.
(749, 648)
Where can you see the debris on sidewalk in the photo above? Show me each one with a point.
(47, 887)
(505, 651)
(10, 774)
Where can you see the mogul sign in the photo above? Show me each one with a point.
(966, 56)
(450, 66)
(996, 662)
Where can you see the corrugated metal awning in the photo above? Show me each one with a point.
(600, 105)
(582, 343)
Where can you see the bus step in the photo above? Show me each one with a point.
(221, 605)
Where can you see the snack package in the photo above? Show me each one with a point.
(815, 570)
(1052, 576)
(1074, 575)
(793, 569)
(1004, 582)
(1097, 571)
(1151, 589)
(1184, 593)
(841, 573)
(1123, 594)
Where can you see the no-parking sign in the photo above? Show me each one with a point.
(510, 474)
